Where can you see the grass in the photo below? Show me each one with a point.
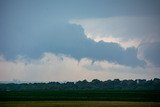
(78, 104)
(80, 98)
(81, 95)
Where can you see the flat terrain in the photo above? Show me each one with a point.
(80, 98)
(78, 104)
(81, 95)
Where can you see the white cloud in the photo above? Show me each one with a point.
(51, 67)
(128, 31)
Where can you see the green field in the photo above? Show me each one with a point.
(80, 98)
(81, 95)
(78, 104)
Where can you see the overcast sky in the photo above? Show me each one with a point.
(70, 40)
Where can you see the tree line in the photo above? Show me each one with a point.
(116, 84)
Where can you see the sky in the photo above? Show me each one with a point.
(58, 40)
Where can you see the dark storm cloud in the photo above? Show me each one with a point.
(150, 52)
(32, 27)
(70, 40)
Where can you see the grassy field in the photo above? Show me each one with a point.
(80, 98)
(81, 95)
(78, 104)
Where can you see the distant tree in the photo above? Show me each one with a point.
(95, 84)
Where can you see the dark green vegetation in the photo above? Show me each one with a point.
(116, 90)
(80, 95)
(78, 104)
(140, 84)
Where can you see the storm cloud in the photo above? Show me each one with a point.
(119, 38)
(52, 67)
(70, 40)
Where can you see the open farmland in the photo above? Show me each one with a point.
(78, 104)
(81, 95)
